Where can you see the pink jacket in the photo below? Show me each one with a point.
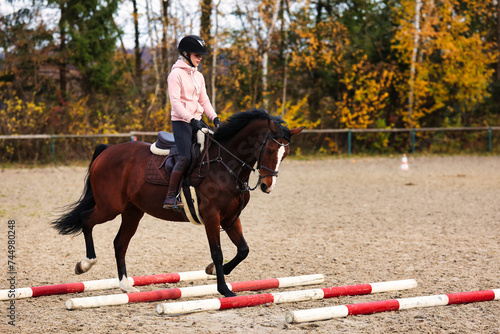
(188, 94)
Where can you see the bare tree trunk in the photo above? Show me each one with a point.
(126, 60)
(285, 82)
(205, 27)
(165, 54)
(138, 56)
(62, 52)
(214, 57)
(498, 40)
(418, 5)
(155, 58)
(284, 48)
(265, 54)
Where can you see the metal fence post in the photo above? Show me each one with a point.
(52, 147)
(413, 141)
(349, 142)
(490, 146)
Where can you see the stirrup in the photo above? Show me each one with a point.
(176, 206)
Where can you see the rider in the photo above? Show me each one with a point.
(189, 100)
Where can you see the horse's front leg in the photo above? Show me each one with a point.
(213, 234)
(235, 233)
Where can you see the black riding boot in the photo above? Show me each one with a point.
(174, 184)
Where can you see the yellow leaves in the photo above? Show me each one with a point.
(23, 117)
(365, 97)
(453, 65)
(139, 118)
(297, 115)
(322, 45)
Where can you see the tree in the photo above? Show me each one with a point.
(27, 46)
(265, 52)
(259, 24)
(86, 28)
(453, 62)
(153, 50)
(498, 41)
(165, 52)
(215, 49)
(413, 61)
(206, 34)
(137, 49)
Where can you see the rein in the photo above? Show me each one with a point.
(244, 184)
(244, 187)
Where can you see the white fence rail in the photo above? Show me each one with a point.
(133, 134)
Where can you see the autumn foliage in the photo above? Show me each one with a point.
(323, 64)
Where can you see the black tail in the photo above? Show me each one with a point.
(72, 222)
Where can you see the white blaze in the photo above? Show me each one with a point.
(281, 153)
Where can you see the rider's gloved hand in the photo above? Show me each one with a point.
(217, 122)
(196, 124)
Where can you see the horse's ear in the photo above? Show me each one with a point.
(272, 126)
(296, 131)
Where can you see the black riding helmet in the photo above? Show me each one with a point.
(192, 44)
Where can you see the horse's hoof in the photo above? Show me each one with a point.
(210, 269)
(78, 268)
(126, 286)
(84, 265)
(131, 290)
(230, 294)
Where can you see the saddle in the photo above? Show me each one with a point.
(162, 161)
(165, 154)
(163, 144)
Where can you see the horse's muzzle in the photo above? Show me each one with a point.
(264, 188)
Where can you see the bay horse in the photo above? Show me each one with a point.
(115, 184)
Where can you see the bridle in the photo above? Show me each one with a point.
(259, 160)
(242, 185)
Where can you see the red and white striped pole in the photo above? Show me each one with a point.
(325, 313)
(193, 291)
(103, 284)
(281, 297)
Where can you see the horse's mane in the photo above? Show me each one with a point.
(238, 121)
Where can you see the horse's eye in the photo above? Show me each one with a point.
(269, 151)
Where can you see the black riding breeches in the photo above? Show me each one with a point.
(183, 135)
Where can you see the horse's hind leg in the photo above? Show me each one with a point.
(130, 220)
(84, 265)
(96, 217)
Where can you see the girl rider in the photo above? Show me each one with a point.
(189, 100)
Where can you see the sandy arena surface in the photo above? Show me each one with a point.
(354, 220)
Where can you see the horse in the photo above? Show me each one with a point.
(115, 185)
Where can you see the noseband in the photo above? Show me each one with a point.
(259, 160)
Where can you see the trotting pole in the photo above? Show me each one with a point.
(193, 291)
(281, 297)
(111, 283)
(326, 313)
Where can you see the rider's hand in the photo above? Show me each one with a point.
(196, 124)
(217, 122)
